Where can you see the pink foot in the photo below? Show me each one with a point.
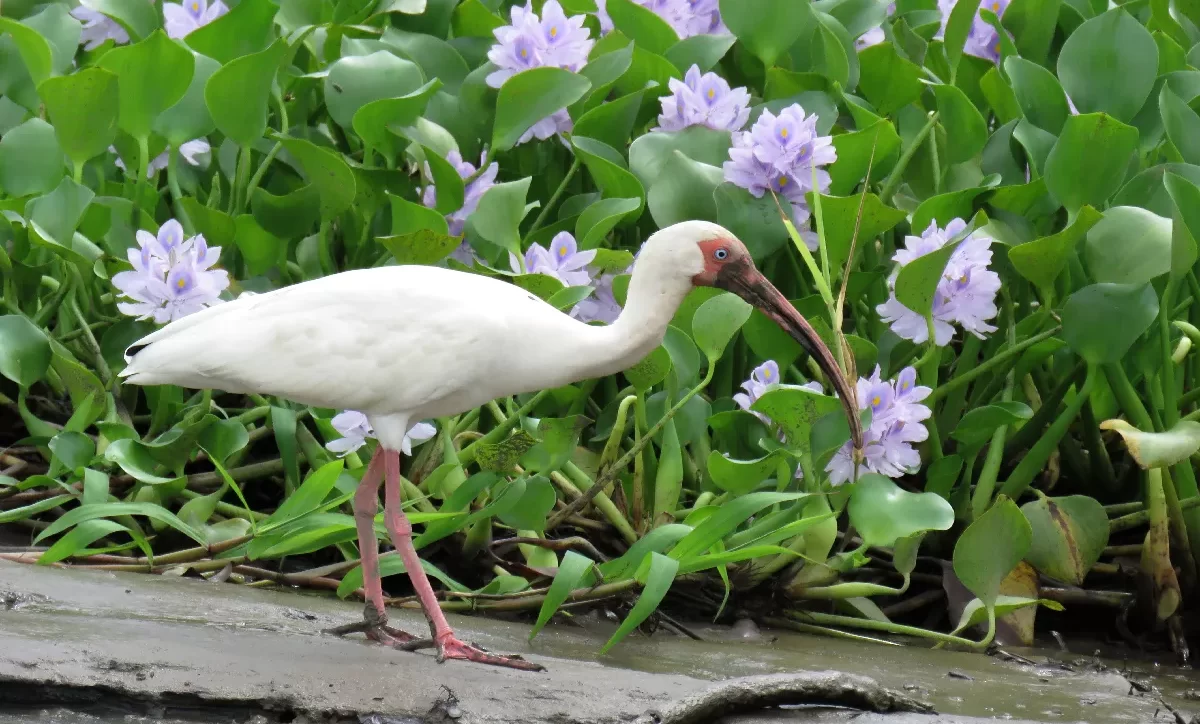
(452, 648)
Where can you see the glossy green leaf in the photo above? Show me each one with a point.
(796, 411)
(1109, 65)
(409, 217)
(767, 27)
(642, 25)
(1069, 535)
(1181, 123)
(570, 576)
(1088, 162)
(990, 548)
(966, 131)
(372, 120)
(24, 350)
(31, 161)
(1102, 321)
(498, 216)
(189, 118)
(260, 248)
(531, 509)
(977, 424)
(704, 51)
(83, 109)
(841, 217)
(875, 147)
(887, 80)
(1185, 223)
(657, 578)
(237, 94)
(739, 477)
(327, 171)
(530, 96)
(424, 246)
(611, 122)
(607, 168)
(975, 612)
(600, 218)
(153, 75)
(650, 370)
(34, 49)
(290, 216)
(650, 152)
(1042, 260)
(356, 80)
(883, 512)
(79, 538)
(1128, 245)
(72, 449)
(757, 222)
(684, 191)
(307, 498)
(138, 18)
(247, 28)
(106, 510)
(135, 460)
(716, 321)
(1037, 91)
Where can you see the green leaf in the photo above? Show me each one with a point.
(1102, 321)
(716, 321)
(327, 171)
(1038, 93)
(79, 538)
(247, 28)
(307, 498)
(854, 156)
(446, 180)
(498, 216)
(373, 120)
(73, 449)
(408, 218)
(531, 508)
(975, 612)
(1128, 245)
(1158, 449)
(642, 25)
(796, 410)
(153, 75)
(650, 152)
(24, 350)
(958, 27)
(133, 457)
(137, 17)
(357, 80)
(684, 191)
(977, 424)
(1181, 123)
(650, 370)
(887, 80)
(1185, 223)
(966, 131)
(107, 510)
(189, 118)
(83, 108)
(739, 477)
(423, 246)
(290, 216)
(756, 222)
(390, 564)
(704, 51)
(600, 218)
(883, 512)
(657, 577)
(607, 168)
(31, 161)
(611, 122)
(34, 49)
(726, 519)
(436, 57)
(530, 96)
(1069, 534)
(1032, 24)
(1109, 64)
(1088, 163)
(841, 217)
(237, 94)
(570, 575)
(1042, 260)
(558, 439)
(767, 27)
(261, 249)
(943, 208)
(217, 226)
(54, 218)
(28, 511)
(990, 548)
(223, 438)
(917, 282)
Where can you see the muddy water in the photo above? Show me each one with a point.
(246, 655)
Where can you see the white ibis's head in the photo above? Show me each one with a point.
(712, 256)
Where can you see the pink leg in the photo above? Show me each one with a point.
(448, 645)
(366, 503)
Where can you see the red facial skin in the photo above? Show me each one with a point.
(712, 265)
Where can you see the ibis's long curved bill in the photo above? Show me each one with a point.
(744, 280)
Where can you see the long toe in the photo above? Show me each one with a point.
(452, 648)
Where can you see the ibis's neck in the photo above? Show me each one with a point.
(653, 298)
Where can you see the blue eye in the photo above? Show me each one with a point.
(720, 254)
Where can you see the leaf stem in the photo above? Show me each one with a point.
(893, 179)
(558, 192)
(992, 364)
(176, 194)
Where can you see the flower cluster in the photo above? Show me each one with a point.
(181, 19)
(966, 293)
(355, 429)
(553, 40)
(98, 28)
(778, 154)
(686, 17)
(566, 263)
(472, 192)
(172, 276)
(191, 151)
(983, 41)
(703, 100)
(897, 421)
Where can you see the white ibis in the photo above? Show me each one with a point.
(407, 343)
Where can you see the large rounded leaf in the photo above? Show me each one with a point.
(1088, 163)
(530, 96)
(189, 118)
(1158, 449)
(716, 321)
(1069, 534)
(153, 76)
(31, 160)
(883, 512)
(1128, 246)
(355, 81)
(237, 94)
(1102, 321)
(1109, 64)
(83, 108)
(24, 350)
(768, 27)
(991, 547)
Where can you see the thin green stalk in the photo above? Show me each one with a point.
(1127, 397)
(982, 498)
(93, 346)
(1033, 462)
(1033, 427)
(237, 196)
(828, 619)
(176, 193)
(42, 316)
(558, 192)
(1010, 352)
(894, 178)
(953, 408)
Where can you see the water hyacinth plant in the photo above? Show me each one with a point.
(992, 226)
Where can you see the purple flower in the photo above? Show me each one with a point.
(761, 377)
(982, 40)
(896, 423)
(562, 261)
(686, 17)
(181, 19)
(97, 28)
(556, 123)
(565, 41)
(601, 306)
(356, 429)
(875, 35)
(172, 277)
(471, 193)
(703, 100)
(966, 294)
(778, 155)
(189, 151)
